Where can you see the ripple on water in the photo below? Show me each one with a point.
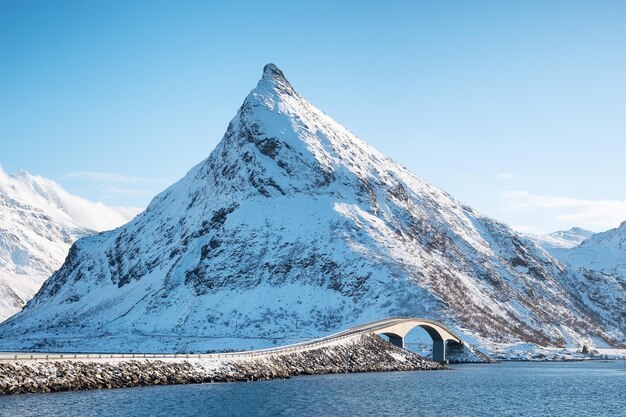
(508, 389)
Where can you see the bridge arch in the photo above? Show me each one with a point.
(397, 328)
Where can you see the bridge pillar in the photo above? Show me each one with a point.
(439, 350)
(396, 341)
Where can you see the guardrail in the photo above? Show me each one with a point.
(296, 347)
(303, 346)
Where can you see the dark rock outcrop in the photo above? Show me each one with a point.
(464, 353)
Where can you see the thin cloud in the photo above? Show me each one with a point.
(119, 188)
(114, 177)
(592, 214)
(117, 191)
(505, 176)
(526, 229)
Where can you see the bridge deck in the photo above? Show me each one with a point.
(378, 327)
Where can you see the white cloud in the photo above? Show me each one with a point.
(62, 206)
(592, 214)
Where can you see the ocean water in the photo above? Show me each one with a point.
(507, 389)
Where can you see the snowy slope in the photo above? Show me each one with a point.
(563, 239)
(601, 261)
(604, 251)
(38, 223)
(292, 228)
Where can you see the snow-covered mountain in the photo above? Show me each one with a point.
(293, 227)
(604, 251)
(601, 260)
(39, 221)
(563, 239)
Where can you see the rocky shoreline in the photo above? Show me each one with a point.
(464, 353)
(363, 353)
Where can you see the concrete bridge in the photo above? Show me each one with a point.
(396, 328)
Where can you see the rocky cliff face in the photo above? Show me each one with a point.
(38, 223)
(292, 228)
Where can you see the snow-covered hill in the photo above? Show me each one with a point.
(38, 223)
(601, 260)
(293, 227)
(599, 263)
(604, 251)
(563, 239)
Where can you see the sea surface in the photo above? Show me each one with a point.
(593, 388)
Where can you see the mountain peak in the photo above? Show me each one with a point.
(581, 231)
(272, 71)
(273, 76)
(21, 173)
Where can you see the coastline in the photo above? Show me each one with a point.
(361, 353)
(356, 354)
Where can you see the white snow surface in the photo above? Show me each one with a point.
(294, 228)
(604, 251)
(601, 261)
(39, 221)
(562, 239)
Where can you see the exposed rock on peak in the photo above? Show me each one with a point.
(272, 72)
(274, 78)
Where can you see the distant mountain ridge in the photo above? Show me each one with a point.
(604, 251)
(293, 227)
(562, 239)
(601, 260)
(39, 221)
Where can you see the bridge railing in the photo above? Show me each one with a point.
(292, 348)
(184, 356)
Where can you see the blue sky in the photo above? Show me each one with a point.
(516, 108)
